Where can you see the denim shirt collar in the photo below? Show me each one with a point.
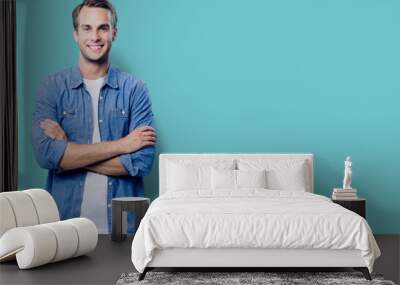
(77, 79)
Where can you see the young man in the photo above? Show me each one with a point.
(92, 124)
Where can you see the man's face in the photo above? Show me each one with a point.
(95, 34)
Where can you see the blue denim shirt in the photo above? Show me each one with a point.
(124, 105)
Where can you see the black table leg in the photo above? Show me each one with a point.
(140, 211)
(116, 228)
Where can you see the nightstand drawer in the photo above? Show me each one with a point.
(357, 206)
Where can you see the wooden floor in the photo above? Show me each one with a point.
(110, 260)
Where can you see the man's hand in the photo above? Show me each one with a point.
(137, 139)
(53, 130)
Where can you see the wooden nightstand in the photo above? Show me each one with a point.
(357, 206)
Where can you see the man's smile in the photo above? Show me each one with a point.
(95, 47)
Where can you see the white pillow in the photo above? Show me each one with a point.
(282, 174)
(193, 174)
(223, 179)
(237, 179)
(251, 178)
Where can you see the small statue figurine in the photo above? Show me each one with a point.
(347, 173)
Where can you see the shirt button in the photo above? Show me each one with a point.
(108, 205)
(100, 121)
(109, 183)
(123, 112)
(64, 113)
(101, 97)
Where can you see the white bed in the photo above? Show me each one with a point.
(201, 219)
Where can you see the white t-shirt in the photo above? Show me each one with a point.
(94, 202)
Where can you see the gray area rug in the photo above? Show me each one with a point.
(229, 278)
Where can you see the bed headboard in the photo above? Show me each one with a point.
(166, 157)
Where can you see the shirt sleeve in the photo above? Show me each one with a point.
(48, 152)
(139, 163)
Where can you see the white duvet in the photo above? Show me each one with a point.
(250, 218)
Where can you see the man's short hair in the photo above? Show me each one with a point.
(97, 4)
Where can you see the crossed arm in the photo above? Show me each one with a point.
(99, 157)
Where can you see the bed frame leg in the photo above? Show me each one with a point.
(143, 274)
(364, 271)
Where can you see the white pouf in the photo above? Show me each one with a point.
(31, 232)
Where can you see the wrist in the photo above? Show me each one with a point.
(118, 146)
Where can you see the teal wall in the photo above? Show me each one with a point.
(313, 76)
